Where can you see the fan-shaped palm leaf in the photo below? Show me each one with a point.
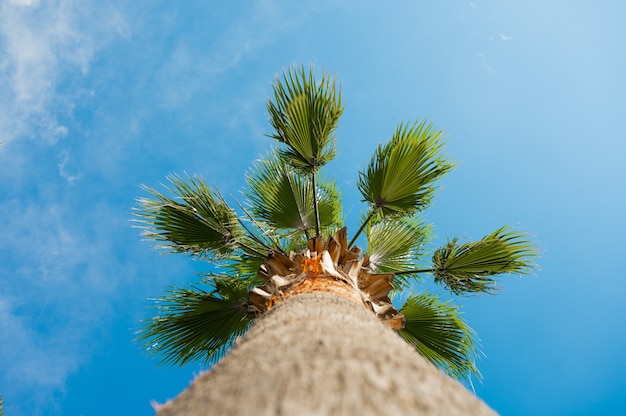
(468, 267)
(194, 324)
(438, 332)
(284, 200)
(395, 246)
(197, 221)
(401, 174)
(304, 115)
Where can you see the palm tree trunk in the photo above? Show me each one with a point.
(321, 354)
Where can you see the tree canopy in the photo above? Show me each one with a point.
(290, 205)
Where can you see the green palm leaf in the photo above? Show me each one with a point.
(395, 246)
(283, 199)
(468, 267)
(438, 332)
(304, 114)
(194, 324)
(197, 220)
(245, 267)
(401, 174)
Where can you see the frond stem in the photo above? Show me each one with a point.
(253, 235)
(361, 228)
(315, 209)
(415, 271)
(248, 249)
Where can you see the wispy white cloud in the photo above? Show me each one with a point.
(484, 63)
(63, 167)
(54, 285)
(56, 270)
(30, 359)
(505, 37)
(192, 68)
(39, 43)
(24, 2)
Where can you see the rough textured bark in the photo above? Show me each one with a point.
(320, 354)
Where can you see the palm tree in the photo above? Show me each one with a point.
(286, 242)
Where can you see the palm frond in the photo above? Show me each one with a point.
(469, 267)
(268, 237)
(438, 332)
(401, 174)
(283, 199)
(304, 114)
(295, 243)
(196, 220)
(195, 324)
(395, 246)
(244, 267)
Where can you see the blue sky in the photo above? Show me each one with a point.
(97, 98)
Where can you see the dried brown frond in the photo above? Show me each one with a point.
(326, 266)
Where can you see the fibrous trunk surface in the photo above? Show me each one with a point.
(329, 266)
(321, 354)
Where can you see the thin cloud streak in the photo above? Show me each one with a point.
(484, 63)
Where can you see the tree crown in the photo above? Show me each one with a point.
(291, 221)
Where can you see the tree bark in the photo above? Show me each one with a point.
(321, 354)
